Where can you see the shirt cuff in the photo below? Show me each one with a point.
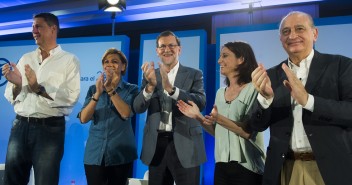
(310, 103)
(146, 95)
(175, 95)
(9, 94)
(265, 103)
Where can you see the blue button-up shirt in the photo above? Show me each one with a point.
(110, 136)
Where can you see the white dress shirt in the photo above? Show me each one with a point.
(167, 125)
(59, 74)
(299, 139)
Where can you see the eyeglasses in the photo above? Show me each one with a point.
(170, 46)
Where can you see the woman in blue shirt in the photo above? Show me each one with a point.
(110, 149)
(239, 152)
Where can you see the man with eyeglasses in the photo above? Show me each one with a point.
(173, 145)
(307, 101)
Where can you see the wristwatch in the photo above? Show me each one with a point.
(41, 90)
(172, 91)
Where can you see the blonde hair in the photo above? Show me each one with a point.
(119, 53)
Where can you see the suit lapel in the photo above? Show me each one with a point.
(316, 70)
(286, 96)
(282, 74)
(181, 77)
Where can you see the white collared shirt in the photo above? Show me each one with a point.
(59, 74)
(299, 139)
(172, 76)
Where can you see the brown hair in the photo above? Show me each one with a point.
(50, 19)
(243, 49)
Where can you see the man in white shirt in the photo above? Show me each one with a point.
(173, 145)
(307, 101)
(43, 87)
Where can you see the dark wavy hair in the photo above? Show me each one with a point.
(118, 53)
(242, 49)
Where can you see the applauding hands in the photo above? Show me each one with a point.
(191, 110)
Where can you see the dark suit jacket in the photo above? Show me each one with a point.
(329, 126)
(188, 133)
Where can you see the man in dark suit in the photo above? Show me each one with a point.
(307, 102)
(173, 145)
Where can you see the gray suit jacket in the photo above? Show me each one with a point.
(328, 127)
(188, 133)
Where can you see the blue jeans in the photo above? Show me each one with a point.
(35, 143)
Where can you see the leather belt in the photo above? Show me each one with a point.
(50, 121)
(303, 156)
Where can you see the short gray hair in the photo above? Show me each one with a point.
(297, 12)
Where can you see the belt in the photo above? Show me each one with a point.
(303, 156)
(166, 134)
(50, 121)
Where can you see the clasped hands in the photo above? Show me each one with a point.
(149, 74)
(110, 83)
(262, 84)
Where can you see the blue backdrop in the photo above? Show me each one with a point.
(333, 38)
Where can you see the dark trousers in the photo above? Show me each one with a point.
(35, 143)
(232, 173)
(166, 168)
(108, 175)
